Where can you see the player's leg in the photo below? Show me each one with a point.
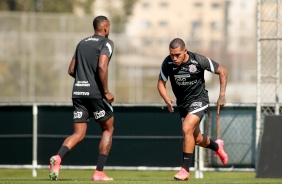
(217, 146)
(107, 128)
(81, 116)
(200, 108)
(202, 139)
(69, 143)
(104, 149)
(106, 122)
(189, 124)
(74, 139)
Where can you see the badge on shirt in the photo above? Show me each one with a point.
(192, 68)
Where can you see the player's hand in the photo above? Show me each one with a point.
(109, 97)
(170, 105)
(220, 103)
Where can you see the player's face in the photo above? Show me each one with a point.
(178, 55)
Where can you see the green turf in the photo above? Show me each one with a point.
(24, 176)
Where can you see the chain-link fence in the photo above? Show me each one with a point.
(236, 126)
(36, 48)
(269, 57)
(35, 51)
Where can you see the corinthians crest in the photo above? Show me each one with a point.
(192, 68)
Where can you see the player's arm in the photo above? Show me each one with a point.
(163, 92)
(223, 75)
(103, 74)
(72, 66)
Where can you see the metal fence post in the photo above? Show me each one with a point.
(258, 107)
(34, 140)
(199, 157)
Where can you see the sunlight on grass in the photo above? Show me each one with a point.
(24, 176)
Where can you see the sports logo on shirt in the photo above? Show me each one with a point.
(77, 114)
(82, 84)
(91, 39)
(192, 68)
(193, 61)
(184, 69)
(183, 80)
(81, 93)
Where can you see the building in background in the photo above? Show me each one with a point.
(224, 30)
(241, 36)
(199, 23)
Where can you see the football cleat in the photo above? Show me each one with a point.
(220, 152)
(55, 165)
(100, 176)
(182, 175)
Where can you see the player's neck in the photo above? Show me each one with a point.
(99, 33)
(186, 58)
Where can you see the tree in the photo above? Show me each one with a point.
(119, 18)
(59, 6)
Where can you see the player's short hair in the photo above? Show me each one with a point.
(98, 20)
(177, 42)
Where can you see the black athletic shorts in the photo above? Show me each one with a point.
(86, 109)
(198, 108)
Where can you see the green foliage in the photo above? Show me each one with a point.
(120, 18)
(128, 6)
(58, 6)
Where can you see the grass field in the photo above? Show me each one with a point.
(24, 176)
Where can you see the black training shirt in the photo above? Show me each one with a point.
(187, 80)
(87, 82)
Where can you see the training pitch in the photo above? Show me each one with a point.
(24, 176)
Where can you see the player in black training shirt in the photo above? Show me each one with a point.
(185, 70)
(90, 95)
